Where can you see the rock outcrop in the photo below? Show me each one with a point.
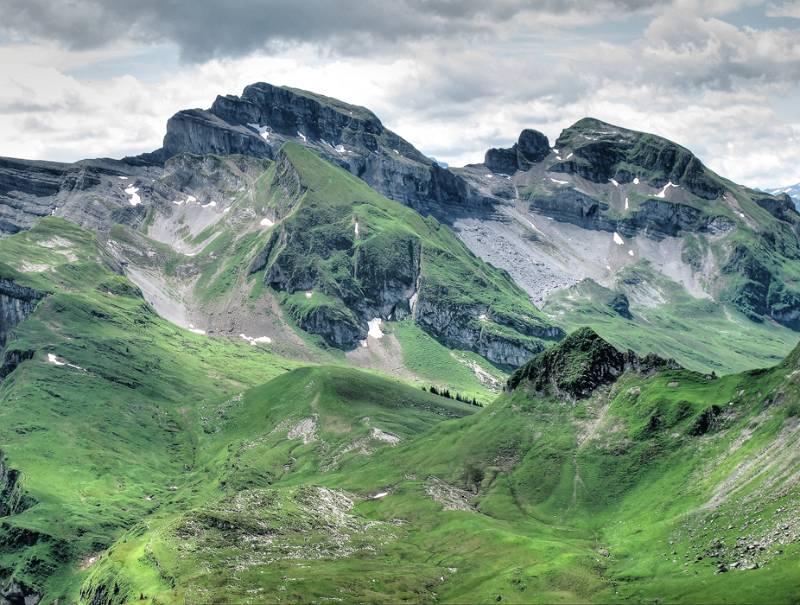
(266, 116)
(89, 193)
(16, 303)
(579, 364)
(12, 497)
(602, 151)
(654, 217)
(531, 147)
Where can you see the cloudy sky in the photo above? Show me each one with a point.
(88, 78)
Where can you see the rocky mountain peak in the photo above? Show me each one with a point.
(579, 364)
(531, 147)
(602, 151)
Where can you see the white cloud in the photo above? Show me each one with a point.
(786, 9)
(688, 75)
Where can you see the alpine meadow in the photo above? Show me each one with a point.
(290, 357)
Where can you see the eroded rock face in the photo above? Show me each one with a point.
(461, 327)
(89, 193)
(531, 147)
(16, 303)
(581, 363)
(655, 218)
(18, 593)
(12, 498)
(602, 151)
(265, 116)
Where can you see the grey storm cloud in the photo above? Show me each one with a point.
(204, 29)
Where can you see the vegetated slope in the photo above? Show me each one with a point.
(645, 311)
(600, 476)
(601, 199)
(95, 396)
(338, 258)
(345, 255)
(605, 199)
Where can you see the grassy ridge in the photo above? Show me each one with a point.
(622, 496)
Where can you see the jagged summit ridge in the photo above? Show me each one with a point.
(265, 116)
(579, 364)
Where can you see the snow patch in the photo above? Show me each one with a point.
(355, 228)
(132, 191)
(262, 130)
(631, 253)
(379, 495)
(614, 182)
(741, 214)
(265, 222)
(309, 293)
(340, 149)
(663, 192)
(483, 317)
(256, 340)
(364, 343)
(626, 203)
(209, 205)
(557, 182)
(570, 155)
(636, 180)
(227, 210)
(196, 330)
(302, 136)
(375, 328)
(397, 152)
(54, 360)
(618, 239)
(122, 178)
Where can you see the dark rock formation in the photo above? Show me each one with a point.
(579, 364)
(602, 151)
(756, 291)
(265, 116)
(654, 217)
(12, 358)
(531, 148)
(459, 326)
(16, 303)
(88, 193)
(19, 593)
(620, 305)
(780, 206)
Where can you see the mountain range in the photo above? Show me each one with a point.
(792, 191)
(289, 357)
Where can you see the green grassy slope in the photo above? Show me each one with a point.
(353, 277)
(669, 486)
(100, 443)
(701, 334)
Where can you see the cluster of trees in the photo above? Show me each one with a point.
(457, 396)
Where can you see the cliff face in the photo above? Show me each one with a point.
(16, 303)
(266, 116)
(654, 217)
(89, 193)
(344, 256)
